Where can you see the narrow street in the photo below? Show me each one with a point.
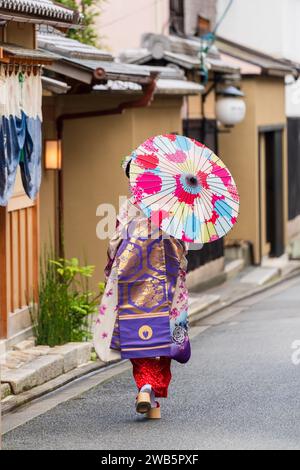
(239, 391)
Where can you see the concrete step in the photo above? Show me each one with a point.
(2, 348)
(32, 367)
(35, 373)
(292, 265)
(5, 391)
(283, 263)
(233, 268)
(23, 345)
(260, 276)
(295, 249)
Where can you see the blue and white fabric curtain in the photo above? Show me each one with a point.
(20, 131)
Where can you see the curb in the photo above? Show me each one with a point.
(12, 402)
(200, 315)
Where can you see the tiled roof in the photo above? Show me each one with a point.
(111, 68)
(38, 10)
(88, 59)
(92, 58)
(64, 46)
(88, 65)
(224, 56)
(12, 50)
(183, 52)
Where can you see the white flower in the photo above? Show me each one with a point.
(179, 334)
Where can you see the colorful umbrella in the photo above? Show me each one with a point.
(184, 188)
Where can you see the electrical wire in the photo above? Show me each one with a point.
(210, 40)
(223, 16)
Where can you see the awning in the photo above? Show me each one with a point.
(186, 61)
(67, 47)
(98, 69)
(88, 64)
(17, 54)
(39, 11)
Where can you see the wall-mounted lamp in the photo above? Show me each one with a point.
(230, 106)
(53, 154)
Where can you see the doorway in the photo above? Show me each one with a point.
(294, 167)
(271, 191)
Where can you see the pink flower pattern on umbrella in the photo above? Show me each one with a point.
(184, 188)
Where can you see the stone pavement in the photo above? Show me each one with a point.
(28, 366)
(243, 283)
(29, 371)
(239, 391)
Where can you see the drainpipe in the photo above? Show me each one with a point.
(141, 102)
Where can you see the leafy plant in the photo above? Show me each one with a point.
(90, 10)
(65, 303)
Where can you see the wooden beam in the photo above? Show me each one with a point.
(3, 275)
(12, 60)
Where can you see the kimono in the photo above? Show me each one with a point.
(144, 310)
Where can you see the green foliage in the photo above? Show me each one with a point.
(65, 303)
(90, 10)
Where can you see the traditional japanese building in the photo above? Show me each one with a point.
(20, 152)
(199, 118)
(100, 110)
(256, 152)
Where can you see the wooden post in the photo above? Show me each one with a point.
(3, 276)
(3, 297)
(36, 248)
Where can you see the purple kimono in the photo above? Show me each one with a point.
(145, 294)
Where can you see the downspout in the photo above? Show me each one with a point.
(141, 102)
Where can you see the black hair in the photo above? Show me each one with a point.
(127, 171)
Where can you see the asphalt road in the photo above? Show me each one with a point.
(241, 390)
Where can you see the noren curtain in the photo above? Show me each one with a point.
(20, 132)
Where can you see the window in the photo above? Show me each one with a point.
(203, 26)
(177, 17)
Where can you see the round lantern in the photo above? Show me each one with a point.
(230, 106)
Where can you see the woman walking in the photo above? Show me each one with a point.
(143, 314)
(182, 193)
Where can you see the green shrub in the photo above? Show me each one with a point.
(65, 303)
